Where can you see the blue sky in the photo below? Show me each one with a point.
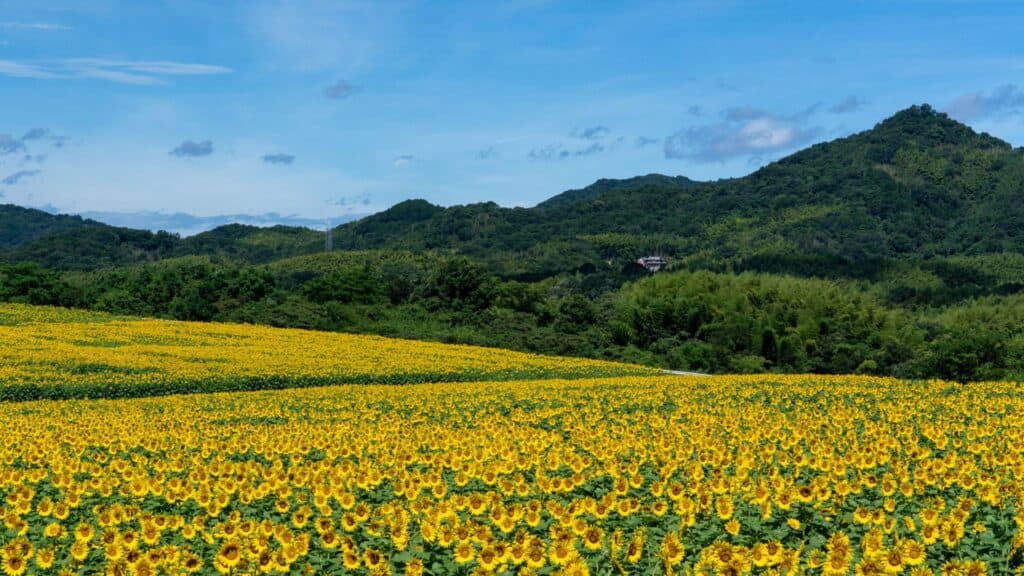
(321, 109)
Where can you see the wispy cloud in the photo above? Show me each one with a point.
(402, 160)
(10, 145)
(644, 141)
(193, 149)
(22, 70)
(741, 132)
(591, 133)
(278, 158)
(596, 136)
(18, 176)
(340, 90)
(41, 26)
(139, 72)
(345, 36)
(486, 153)
(849, 104)
(35, 134)
(1004, 100)
(559, 152)
(44, 135)
(350, 201)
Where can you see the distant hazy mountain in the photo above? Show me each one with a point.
(105, 239)
(189, 224)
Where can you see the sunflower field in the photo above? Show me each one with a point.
(607, 476)
(53, 353)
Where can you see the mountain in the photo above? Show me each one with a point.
(20, 226)
(190, 224)
(917, 185)
(607, 185)
(93, 247)
(253, 244)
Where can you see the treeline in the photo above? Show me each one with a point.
(687, 320)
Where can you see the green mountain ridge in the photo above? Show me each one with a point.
(20, 225)
(916, 186)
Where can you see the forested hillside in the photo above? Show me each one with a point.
(19, 226)
(917, 185)
(899, 250)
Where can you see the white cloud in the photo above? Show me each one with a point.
(741, 132)
(22, 70)
(42, 26)
(138, 72)
(343, 36)
(1006, 99)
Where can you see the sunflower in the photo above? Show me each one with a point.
(79, 551)
(44, 558)
(593, 538)
(53, 530)
(464, 552)
(868, 567)
(535, 557)
(974, 568)
(350, 560)
(191, 562)
(635, 549)
(732, 527)
(488, 558)
(836, 564)
(912, 552)
(349, 522)
(113, 552)
(229, 554)
(373, 559)
(724, 507)
(265, 562)
(414, 567)
(562, 552)
(672, 549)
(893, 562)
(576, 568)
(323, 525)
(330, 540)
(14, 565)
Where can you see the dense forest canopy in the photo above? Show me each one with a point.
(898, 250)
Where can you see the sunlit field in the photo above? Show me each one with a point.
(625, 475)
(56, 353)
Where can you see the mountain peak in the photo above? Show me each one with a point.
(608, 184)
(928, 127)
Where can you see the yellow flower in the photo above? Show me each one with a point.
(464, 552)
(672, 549)
(14, 565)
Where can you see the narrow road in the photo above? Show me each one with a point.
(680, 373)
